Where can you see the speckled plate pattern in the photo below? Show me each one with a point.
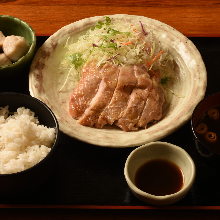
(45, 78)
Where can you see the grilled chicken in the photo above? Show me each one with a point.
(126, 96)
(103, 96)
(86, 90)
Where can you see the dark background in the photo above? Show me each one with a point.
(92, 175)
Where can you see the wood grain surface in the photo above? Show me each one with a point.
(199, 18)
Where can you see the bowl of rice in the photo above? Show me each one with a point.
(28, 142)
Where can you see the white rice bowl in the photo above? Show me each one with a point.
(23, 141)
(46, 79)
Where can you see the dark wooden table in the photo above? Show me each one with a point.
(191, 17)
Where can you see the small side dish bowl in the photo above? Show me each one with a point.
(168, 153)
(205, 125)
(14, 26)
(34, 144)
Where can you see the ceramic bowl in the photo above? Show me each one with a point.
(14, 26)
(164, 151)
(33, 177)
(46, 78)
(205, 125)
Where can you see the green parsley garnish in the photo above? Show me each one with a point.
(77, 60)
(100, 24)
(109, 45)
(113, 31)
(107, 20)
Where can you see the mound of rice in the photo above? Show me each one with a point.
(23, 141)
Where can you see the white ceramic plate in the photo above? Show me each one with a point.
(45, 79)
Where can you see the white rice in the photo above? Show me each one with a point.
(23, 141)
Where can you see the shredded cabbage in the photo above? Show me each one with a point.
(120, 43)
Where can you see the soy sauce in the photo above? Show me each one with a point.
(159, 177)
